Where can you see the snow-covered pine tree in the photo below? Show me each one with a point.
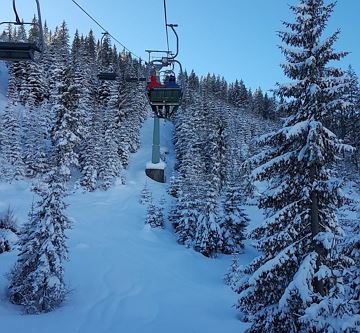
(258, 102)
(90, 151)
(208, 234)
(37, 280)
(34, 125)
(231, 278)
(185, 214)
(68, 127)
(340, 310)
(13, 167)
(234, 220)
(145, 195)
(351, 113)
(292, 272)
(154, 215)
(111, 166)
(8, 230)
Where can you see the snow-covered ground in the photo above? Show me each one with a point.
(123, 276)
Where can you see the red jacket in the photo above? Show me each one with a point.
(153, 82)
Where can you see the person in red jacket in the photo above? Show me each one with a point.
(153, 82)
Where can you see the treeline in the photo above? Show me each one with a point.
(212, 139)
(62, 127)
(238, 95)
(58, 98)
(306, 276)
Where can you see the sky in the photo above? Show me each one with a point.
(233, 38)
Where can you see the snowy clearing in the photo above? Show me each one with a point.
(123, 275)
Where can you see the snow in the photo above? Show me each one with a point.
(301, 282)
(124, 276)
(158, 166)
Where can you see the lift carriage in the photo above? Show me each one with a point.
(106, 74)
(21, 51)
(13, 51)
(164, 98)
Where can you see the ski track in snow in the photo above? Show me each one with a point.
(124, 276)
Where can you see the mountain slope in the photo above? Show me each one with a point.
(124, 276)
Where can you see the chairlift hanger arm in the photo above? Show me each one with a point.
(173, 26)
(179, 63)
(18, 22)
(40, 26)
(17, 19)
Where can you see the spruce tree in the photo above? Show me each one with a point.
(231, 278)
(37, 280)
(68, 127)
(234, 220)
(208, 234)
(154, 215)
(8, 230)
(292, 272)
(13, 168)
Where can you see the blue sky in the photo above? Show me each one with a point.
(233, 38)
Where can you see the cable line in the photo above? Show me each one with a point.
(105, 30)
(166, 27)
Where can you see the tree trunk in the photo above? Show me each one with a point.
(315, 229)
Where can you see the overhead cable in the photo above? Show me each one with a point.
(105, 30)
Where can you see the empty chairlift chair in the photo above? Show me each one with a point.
(106, 74)
(21, 51)
(18, 51)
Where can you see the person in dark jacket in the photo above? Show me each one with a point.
(171, 82)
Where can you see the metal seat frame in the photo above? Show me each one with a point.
(107, 76)
(14, 51)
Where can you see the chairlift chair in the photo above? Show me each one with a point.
(165, 99)
(107, 76)
(21, 51)
(135, 79)
(16, 51)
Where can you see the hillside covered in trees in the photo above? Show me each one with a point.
(268, 180)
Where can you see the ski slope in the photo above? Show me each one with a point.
(124, 276)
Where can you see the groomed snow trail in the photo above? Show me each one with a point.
(124, 276)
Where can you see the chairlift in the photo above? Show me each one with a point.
(135, 79)
(106, 75)
(165, 98)
(21, 51)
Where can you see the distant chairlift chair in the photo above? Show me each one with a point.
(106, 75)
